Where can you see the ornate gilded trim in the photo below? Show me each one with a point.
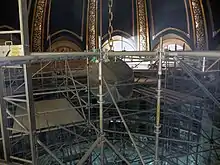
(200, 25)
(38, 25)
(91, 36)
(142, 26)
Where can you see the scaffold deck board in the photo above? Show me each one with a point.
(50, 113)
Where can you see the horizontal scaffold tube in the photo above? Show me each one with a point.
(51, 56)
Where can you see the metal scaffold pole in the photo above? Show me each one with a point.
(3, 119)
(101, 100)
(23, 17)
(88, 91)
(157, 125)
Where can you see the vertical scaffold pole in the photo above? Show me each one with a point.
(23, 18)
(101, 100)
(203, 64)
(3, 119)
(88, 91)
(157, 125)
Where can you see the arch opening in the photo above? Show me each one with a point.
(173, 42)
(64, 46)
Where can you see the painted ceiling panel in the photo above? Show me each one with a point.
(215, 4)
(122, 16)
(68, 15)
(168, 13)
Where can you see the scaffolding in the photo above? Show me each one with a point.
(172, 118)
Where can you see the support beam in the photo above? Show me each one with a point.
(47, 56)
(31, 113)
(23, 17)
(101, 101)
(157, 125)
(3, 119)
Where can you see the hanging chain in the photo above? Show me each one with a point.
(110, 27)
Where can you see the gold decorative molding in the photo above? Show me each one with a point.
(199, 21)
(142, 26)
(91, 36)
(38, 25)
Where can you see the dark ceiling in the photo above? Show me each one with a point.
(69, 19)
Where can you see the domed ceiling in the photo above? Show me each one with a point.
(143, 22)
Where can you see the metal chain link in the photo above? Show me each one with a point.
(110, 27)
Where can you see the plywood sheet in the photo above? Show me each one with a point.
(50, 113)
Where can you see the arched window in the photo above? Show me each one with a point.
(64, 46)
(172, 42)
(120, 44)
(124, 44)
(174, 47)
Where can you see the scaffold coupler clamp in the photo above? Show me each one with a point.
(102, 139)
(156, 162)
(157, 129)
(100, 102)
(158, 90)
(105, 56)
(163, 53)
